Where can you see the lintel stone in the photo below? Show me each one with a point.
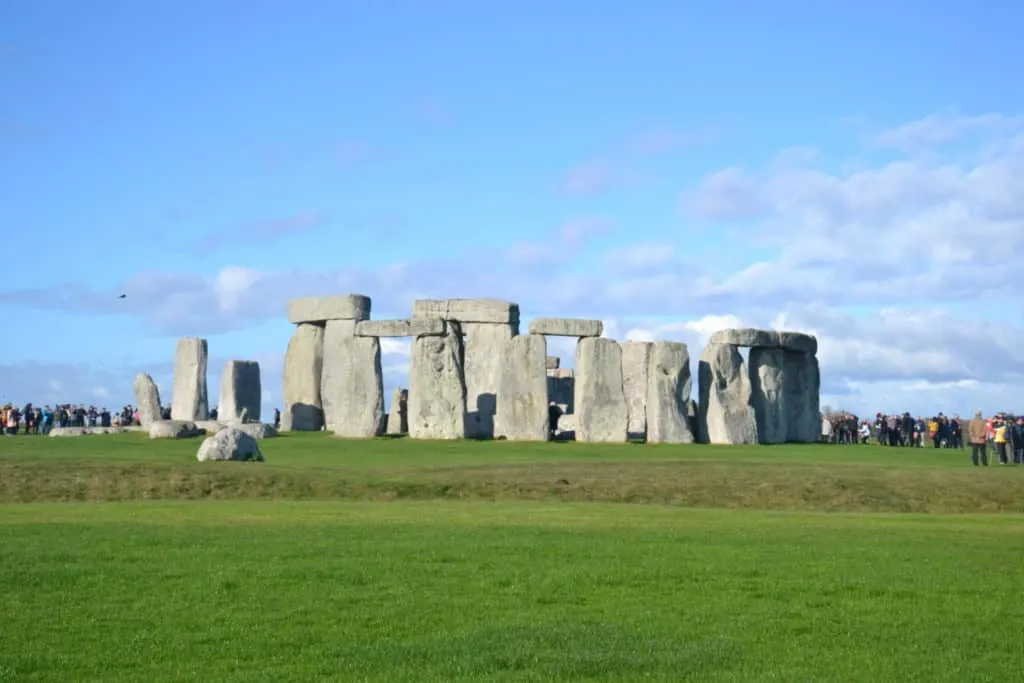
(320, 309)
(771, 339)
(418, 327)
(553, 362)
(468, 310)
(566, 327)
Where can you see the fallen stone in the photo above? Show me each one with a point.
(726, 414)
(398, 421)
(601, 414)
(189, 399)
(437, 387)
(69, 431)
(668, 393)
(257, 430)
(636, 358)
(566, 327)
(400, 328)
(320, 309)
(522, 390)
(174, 429)
(483, 344)
(768, 395)
(802, 388)
(210, 426)
(468, 311)
(230, 444)
(552, 363)
(303, 368)
(147, 399)
(352, 383)
(241, 391)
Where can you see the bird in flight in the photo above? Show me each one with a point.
(122, 296)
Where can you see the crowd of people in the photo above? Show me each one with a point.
(32, 419)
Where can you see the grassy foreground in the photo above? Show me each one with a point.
(258, 591)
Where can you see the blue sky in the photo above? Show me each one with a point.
(668, 168)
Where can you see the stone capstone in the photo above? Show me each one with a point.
(320, 309)
(230, 444)
(189, 398)
(400, 328)
(794, 341)
(351, 384)
(768, 397)
(522, 390)
(492, 311)
(147, 399)
(601, 413)
(668, 393)
(398, 421)
(303, 367)
(566, 327)
(241, 391)
(437, 387)
(174, 429)
(636, 358)
(726, 413)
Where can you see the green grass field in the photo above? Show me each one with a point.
(125, 560)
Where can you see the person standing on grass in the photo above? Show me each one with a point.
(1018, 441)
(977, 434)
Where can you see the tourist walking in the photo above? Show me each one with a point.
(977, 435)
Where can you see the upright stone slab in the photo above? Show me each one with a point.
(522, 390)
(189, 401)
(562, 389)
(636, 358)
(352, 384)
(437, 386)
(147, 400)
(802, 389)
(726, 414)
(303, 367)
(668, 393)
(398, 421)
(768, 394)
(601, 414)
(240, 391)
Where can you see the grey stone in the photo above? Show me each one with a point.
(636, 358)
(230, 444)
(241, 391)
(303, 368)
(398, 419)
(492, 311)
(210, 426)
(552, 363)
(601, 414)
(693, 421)
(562, 389)
(798, 341)
(768, 397)
(802, 388)
(320, 309)
(437, 387)
(522, 390)
(257, 430)
(745, 337)
(351, 385)
(147, 399)
(483, 344)
(174, 429)
(668, 393)
(726, 414)
(189, 399)
(566, 327)
(400, 328)
(69, 431)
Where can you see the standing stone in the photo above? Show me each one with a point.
(437, 386)
(483, 344)
(601, 413)
(668, 393)
(352, 384)
(767, 382)
(636, 358)
(802, 389)
(189, 400)
(147, 399)
(398, 419)
(303, 367)
(523, 391)
(562, 389)
(240, 391)
(725, 394)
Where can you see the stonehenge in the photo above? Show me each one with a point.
(189, 402)
(240, 391)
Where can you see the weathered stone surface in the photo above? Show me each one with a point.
(636, 358)
(522, 390)
(693, 421)
(303, 368)
(469, 311)
(257, 430)
(398, 416)
(601, 414)
(566, 327)
(562, 389)
(668, 393)
(189, 399)
(210, 426)
(798, 341)
(768, 397)
(437, 387)
(241, 391)
(320, 309)
(352, 385)
(726, 414)
(552, 363)
(70, 431)
(745, 337)
(230, 444)
(483, 344)
(802, 389)
(174, 429)
(147, 399)
(400, 328)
